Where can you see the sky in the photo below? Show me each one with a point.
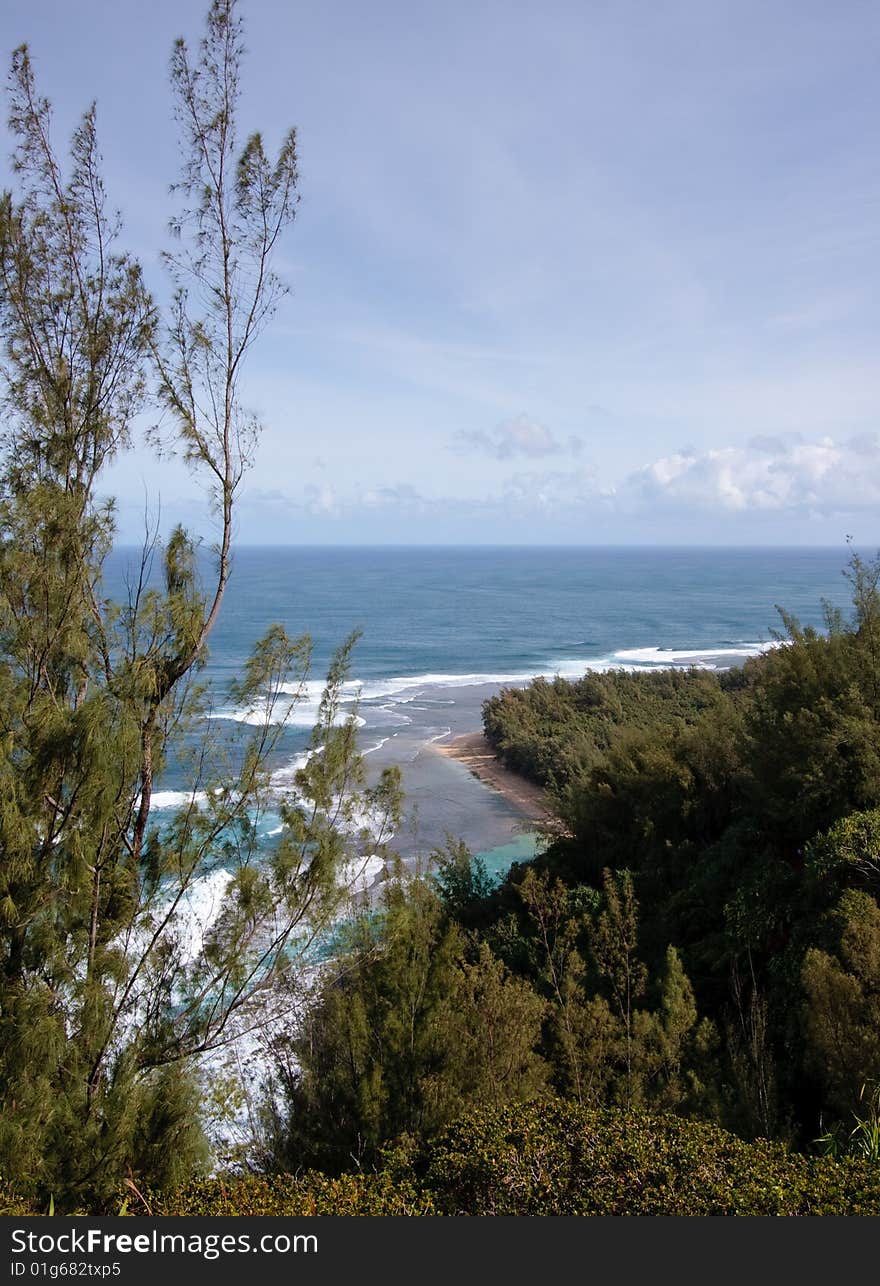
(591, 272)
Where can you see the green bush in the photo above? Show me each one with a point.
(11, 1204)
(550, 1158)
(559, 1159)
(309, 1194)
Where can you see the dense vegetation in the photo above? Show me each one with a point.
(548, 1159)
(745, 808)
(701, 934)
(108, 995)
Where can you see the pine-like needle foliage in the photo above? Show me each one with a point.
(109, 986)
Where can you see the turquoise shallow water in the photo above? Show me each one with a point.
(444, 628)
(499, 860)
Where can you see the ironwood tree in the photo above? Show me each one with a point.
(107, 996)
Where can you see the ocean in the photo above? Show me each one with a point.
(443, 628)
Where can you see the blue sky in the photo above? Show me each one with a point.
(590, 272)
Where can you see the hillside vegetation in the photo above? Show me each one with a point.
(702, 938)
(549, 1159)
(742, 809)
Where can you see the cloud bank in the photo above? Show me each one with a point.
(520, 436)
(775, 487)
(767, 474)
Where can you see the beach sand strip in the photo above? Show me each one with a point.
(474, 751)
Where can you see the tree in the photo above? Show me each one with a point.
(614, 948)
(584, 1039)
(601, 1047)
(842, 1002)
(462, 880)
(674, 1052)
(106, 999)
(405, 1033)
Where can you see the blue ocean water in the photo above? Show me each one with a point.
(442, 628)
(505, 611)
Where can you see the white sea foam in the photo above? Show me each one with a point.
(361, 873)
(283, 777)
(407, 688)
(303, 714)
(658, 656)
(165, 799)
(361, 822)
(404, 689)
(197, 910)
(302, 708)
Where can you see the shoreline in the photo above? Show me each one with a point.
(474, 752)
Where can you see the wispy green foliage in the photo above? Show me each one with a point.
(112, 982)
(410, 1026)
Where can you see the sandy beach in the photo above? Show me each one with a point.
(474, 751)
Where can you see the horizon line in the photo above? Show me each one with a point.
(205, 545)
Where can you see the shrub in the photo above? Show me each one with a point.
(559, 1159)
(309, 1194)
(550, 1158)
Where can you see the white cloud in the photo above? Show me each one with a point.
(551, 490)
(524, 493)
(776, 486)
(321, 500)
(520, 436)
(768, 474)
(402, 496)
